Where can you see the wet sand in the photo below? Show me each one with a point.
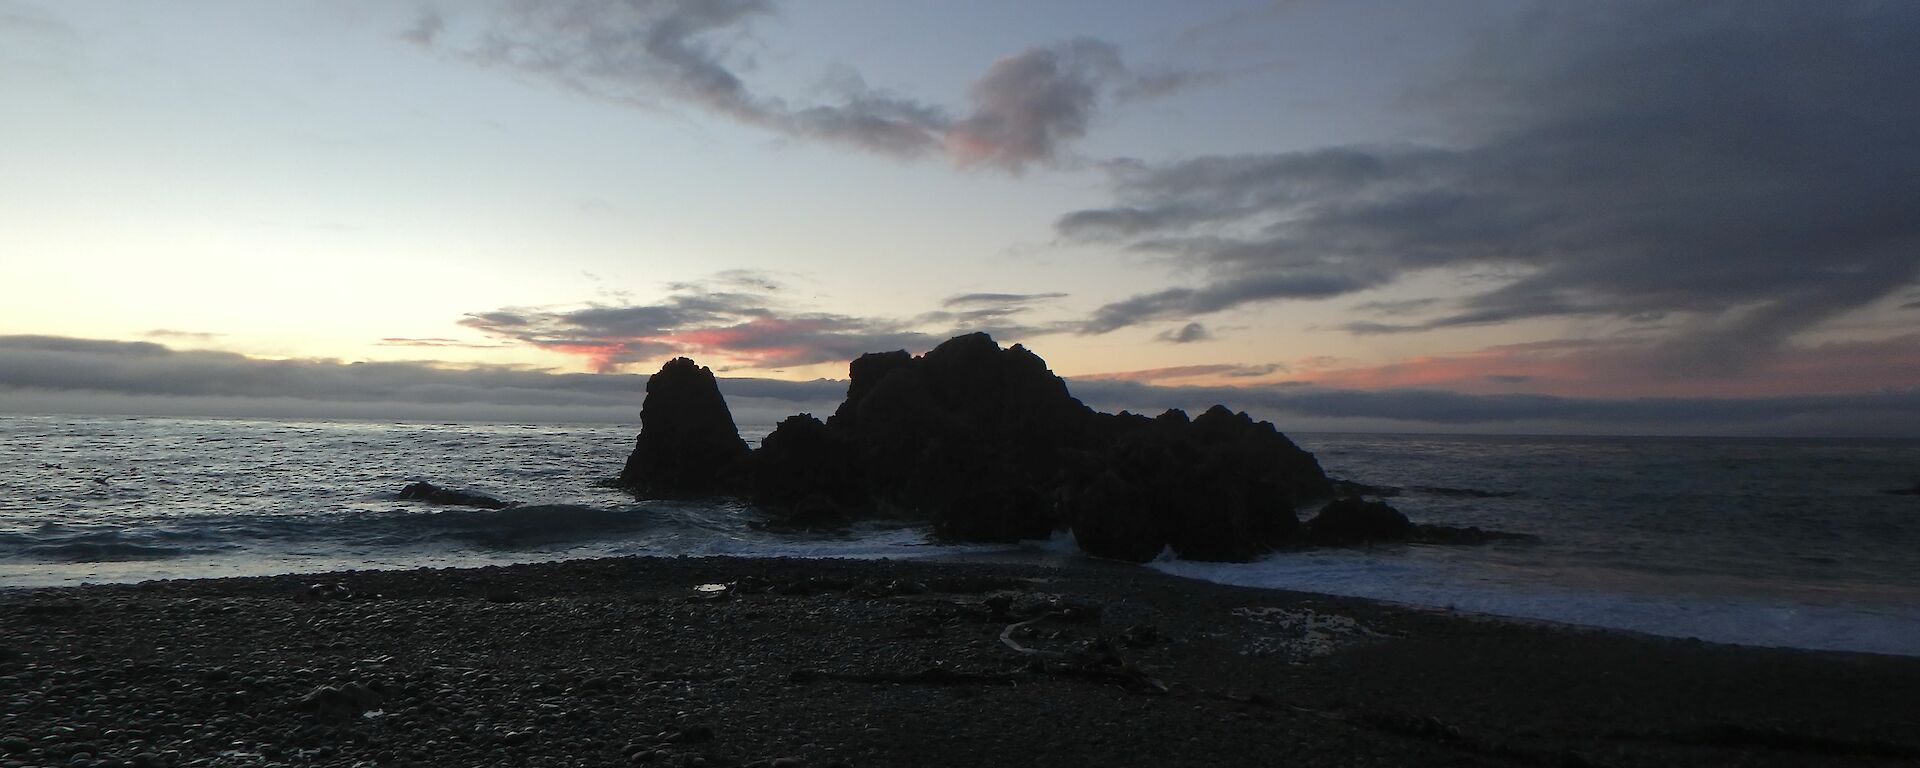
(884, 663)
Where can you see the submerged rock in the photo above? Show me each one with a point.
(688, 444)
(433, 494)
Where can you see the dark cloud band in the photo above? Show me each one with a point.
(73, 370)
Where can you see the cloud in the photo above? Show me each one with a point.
(434, 343)
(1156, 85)
(88, 374)
(1181, 303)
(1029, 104)
(29, 21)
(1186, 334)
(57, 374)
(1617, 367)
(1874, 414)
(999, 299)
(196, 336)
(1001, 315)
(1744, 177)
(426, 29)
(1181, 372)
(743, 319)
(653, 52)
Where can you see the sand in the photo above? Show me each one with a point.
(880, 663)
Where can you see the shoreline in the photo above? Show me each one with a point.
(1051, 556)
(884, 662)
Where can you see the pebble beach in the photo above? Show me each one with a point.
(775, 662)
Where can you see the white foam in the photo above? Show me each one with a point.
(1870, 627)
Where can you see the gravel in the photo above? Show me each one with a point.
(819, 663)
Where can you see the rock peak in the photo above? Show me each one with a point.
(688, 444)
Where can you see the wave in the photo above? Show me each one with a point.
(60, 544)
(105, 552)
(514, 528)
(1858, 625)
(524, 526)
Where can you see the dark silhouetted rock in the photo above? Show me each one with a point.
(803, 475)
(688, 444)
(986, 444)
(1914, 491)
(1218, 487)
(1115, 518)
(967, 437)
(1349, 521)
(433, 494)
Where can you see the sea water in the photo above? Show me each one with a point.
(1768, 542)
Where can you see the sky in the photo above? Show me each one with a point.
(1667, 216)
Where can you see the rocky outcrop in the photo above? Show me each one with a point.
(805, 476)
(1218, 487)
(968, 437)
(1350, 521)
(688, 445)
(986, 444)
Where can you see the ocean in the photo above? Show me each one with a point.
(1765, 542)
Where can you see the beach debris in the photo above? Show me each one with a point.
(1096, 659)
(1301, 635)
(339, 702)
(710, 593)
(321, 592)
(433, 494)
(1006, 638)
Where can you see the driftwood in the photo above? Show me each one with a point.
(1097, 661)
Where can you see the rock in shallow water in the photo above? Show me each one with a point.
(1350, 521)
(985, 444)
(688, 444)
(433, 494)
